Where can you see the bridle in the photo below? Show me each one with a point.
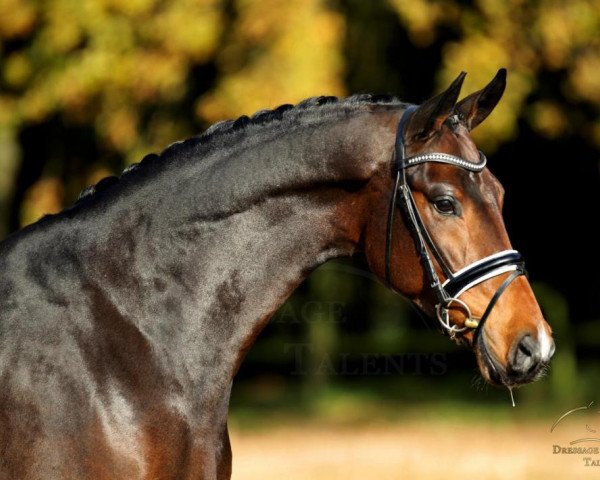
(447, 293)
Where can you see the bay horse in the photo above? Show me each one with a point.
(124, 318)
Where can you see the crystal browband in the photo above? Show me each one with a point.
(442, 158)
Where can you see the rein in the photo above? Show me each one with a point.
(447, 293)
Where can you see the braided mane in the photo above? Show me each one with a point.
(227, 127)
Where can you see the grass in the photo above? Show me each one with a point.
(272, 401)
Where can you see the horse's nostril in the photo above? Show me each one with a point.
(524, 349)
(526, 356)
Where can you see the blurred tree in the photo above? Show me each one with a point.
(102, 62)
(116, 69)
(278, 51)
(536, 41)
(139, 75)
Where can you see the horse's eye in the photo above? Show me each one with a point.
(445, 206)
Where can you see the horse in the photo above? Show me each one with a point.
(125, 317)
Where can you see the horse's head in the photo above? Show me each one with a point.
(457, 202)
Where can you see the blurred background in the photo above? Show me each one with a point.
(347, 381)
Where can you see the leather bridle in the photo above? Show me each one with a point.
(447, 293)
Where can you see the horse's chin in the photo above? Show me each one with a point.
(489, 367)
(489, 371)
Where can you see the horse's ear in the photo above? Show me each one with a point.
(430, 115)
(475, 108)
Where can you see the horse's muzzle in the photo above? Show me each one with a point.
(527, 359)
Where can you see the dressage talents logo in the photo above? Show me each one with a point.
(312, 311)
(583, 446)
(309, 361)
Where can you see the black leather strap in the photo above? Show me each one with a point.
(424, 233)
(457, 282)
(513, 276)
(390, 233)
(400, 149)
(399, 153)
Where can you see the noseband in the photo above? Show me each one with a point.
(447, 292)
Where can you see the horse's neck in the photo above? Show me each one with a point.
(205, 274)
